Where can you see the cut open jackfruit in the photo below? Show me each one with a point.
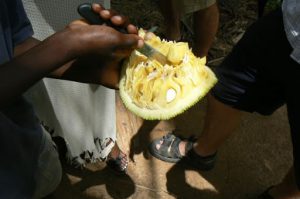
(158, 92)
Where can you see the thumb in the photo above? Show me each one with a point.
(128, 43)
(80, 22)
(131, 41)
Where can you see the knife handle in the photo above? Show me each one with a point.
(86, 11)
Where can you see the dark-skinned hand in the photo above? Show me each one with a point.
(100, 49)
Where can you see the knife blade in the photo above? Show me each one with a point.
(85, 10)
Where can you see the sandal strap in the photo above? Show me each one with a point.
(116, 163)
(170, 146)
(108, 146)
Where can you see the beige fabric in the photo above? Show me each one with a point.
(188, 7)
(83, 114)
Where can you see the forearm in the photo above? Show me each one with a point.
(25, 46)
(102, 43)
(32, 42)
(17, 75)
(74, 70)
(86, 70)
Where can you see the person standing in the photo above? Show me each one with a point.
(260, 75)
(29, 165)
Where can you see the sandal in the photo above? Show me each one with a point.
(169, 148)
(119, 163)
(169, 152)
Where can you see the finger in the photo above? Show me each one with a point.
(107, 14)
(140, 43)
(121, 53)
(120, 20)
(131, 41)
(115, 18)
(97, 7)
(132, 29)
(128, 42)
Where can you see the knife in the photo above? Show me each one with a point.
(86, 11)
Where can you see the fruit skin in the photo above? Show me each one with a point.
(159, 109)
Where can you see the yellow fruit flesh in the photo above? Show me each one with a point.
(155, 91)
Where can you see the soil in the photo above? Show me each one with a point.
(235, 17)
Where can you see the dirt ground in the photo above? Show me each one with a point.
(256, 156)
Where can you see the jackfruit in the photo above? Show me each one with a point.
(159, 92)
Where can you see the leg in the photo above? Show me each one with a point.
(289, 187)
(220, 122)
(238, 88)
(172, 19)
(206, 22)
(216, 127)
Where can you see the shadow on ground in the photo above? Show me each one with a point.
(255, 157)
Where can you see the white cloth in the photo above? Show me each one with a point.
(83, 114)
(291, 19)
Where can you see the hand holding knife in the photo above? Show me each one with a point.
(86, 11)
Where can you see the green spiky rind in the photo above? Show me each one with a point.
(182, 105)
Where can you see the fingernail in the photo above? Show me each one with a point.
(96, 5)
(140, 43)
(117, 17)
(105, 12)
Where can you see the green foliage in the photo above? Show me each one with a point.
(272, 5)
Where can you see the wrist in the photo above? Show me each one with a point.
(63, 44)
